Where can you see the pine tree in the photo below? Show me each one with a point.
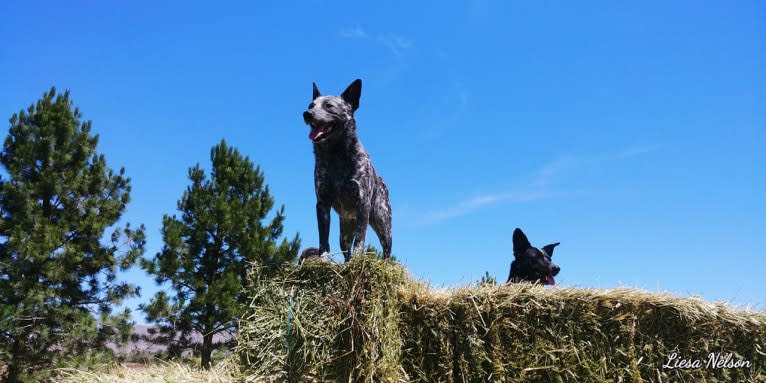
(209, 250)
(487, 280)
(58, 281)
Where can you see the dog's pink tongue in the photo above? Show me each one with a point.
(551, 281)
(316, 134)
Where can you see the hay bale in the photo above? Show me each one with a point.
(324, 322)
(367, 321)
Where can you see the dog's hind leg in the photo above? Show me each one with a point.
(360, 230)
(380, 219)
(347, 228)
(383, 229)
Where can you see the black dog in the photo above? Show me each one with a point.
(312, 253)
(530, 263)
(344, 177)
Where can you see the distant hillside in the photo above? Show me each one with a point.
(141, 345)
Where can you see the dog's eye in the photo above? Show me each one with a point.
(328, 106)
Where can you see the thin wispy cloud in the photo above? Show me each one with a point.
(396, 44)
(540, 182)
(639, 150)
(563, 164)
(549, 171)
(481, 201)
(353, 33)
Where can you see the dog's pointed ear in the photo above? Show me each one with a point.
(520, 241)
(549, 248)
(316, 92)
(352, 94)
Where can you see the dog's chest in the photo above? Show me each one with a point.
(342, 182)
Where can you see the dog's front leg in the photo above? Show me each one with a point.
(323, 221)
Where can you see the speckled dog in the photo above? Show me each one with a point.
(344, 177)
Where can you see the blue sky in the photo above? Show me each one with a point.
(634, 134)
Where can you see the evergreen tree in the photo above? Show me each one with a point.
(487, 280)
(373, 251)
(209, 250)
(58, 281)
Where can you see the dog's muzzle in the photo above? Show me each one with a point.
(319, 129)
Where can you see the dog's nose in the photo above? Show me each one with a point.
(307, 117)
(556, 270)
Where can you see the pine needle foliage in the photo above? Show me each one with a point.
(58, 207)
(222, 231)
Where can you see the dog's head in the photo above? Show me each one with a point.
(329, 115)
(530, 263)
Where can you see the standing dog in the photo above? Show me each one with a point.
(530, 263)
(344, 177)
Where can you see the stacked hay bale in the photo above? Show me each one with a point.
(323, 322)
(367, 321)
(524, 333)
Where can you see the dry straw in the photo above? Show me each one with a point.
(222, 372)
(368, 321)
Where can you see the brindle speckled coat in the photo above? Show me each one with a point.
(344, 177)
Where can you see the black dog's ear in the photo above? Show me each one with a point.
(352, 93)
(549, 248)
(316, 92)
(520, 241)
